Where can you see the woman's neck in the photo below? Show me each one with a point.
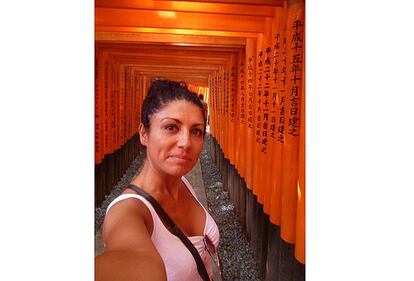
(160, 186)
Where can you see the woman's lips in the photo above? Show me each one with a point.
(180, 158)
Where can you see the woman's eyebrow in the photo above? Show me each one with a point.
(176, 120)
(198, 124)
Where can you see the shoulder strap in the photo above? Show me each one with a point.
(174, 230)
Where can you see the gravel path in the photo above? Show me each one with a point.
(130, 173)
(236, 258)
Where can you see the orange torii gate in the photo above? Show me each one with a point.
(247, 59)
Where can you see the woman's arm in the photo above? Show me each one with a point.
(128, 266)
(129, 253)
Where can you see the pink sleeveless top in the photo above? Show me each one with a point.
(178, 261)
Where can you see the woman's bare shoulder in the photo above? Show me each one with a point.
(128, 221)
(129, 251)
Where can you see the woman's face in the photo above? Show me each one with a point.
(175, 138)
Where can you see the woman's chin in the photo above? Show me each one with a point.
(179, 171)
(180, 167)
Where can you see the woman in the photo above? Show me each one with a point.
(138, 245)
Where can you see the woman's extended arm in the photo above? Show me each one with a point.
(128, 266)
(129, 253)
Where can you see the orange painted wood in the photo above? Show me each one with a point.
(186, 74)
(137, 101)
(106, 79)
(121, 97)
(211, 103)
(225, 116)
(121, 107)
(193, 6)
(232, 114)
(108, 113)
(198, 60)
(181, 20)
(111, 107)
(217, 107)
(300, 213)
(258, 119)
(132, 101)
(229, 131)
(170, 61)
(266, 153)
(224, 120)
(281, 78)
(234, 109)
(250, 84)
(115, 108)
(142, 92)
(219, 55)
(220, 96)
(171, 36)
(223, 110)
(127, 102)
(128, 98)
(125, 105)
(216, 102)
(252, 2)
(241, 115)
(262, 124)
(126, 94)
(270, 110)
(295, 29)
(135, 104)
(133, 107)
(223, 98)
(99, 110)
(114, 105)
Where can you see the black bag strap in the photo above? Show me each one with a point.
(174, 230)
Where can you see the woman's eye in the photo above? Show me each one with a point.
(197, 132)
(170, 128)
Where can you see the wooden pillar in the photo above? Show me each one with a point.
(250, 84)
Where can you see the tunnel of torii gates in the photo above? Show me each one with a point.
(247, 58)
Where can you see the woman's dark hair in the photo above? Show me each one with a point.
(161, 93)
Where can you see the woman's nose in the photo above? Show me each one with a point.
(184, 139)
